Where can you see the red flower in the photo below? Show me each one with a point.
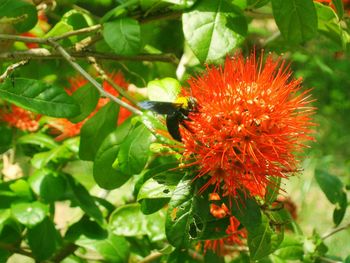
(346, 4)
(236, 237)
(67, 129)
(20, 118)
(251, 120)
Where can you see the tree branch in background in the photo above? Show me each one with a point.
(11, 68)
(336, 230)
(105, 77)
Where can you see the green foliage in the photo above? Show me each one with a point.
(121, 189)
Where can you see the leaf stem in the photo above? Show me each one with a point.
(11, 68)
(336, 230)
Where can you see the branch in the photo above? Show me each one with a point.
(86, 75)
(105, 77)
(43, 53)
(12, 249)
(78, 32)
(11, 68)
(151, 257)
(336, 230)
(64, 252)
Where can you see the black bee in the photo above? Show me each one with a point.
(176, 113)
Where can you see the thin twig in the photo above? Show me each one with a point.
(43, 53)
(11, 248)
(151, 257)
(78, 32)
(64, 252)
(11, 68)
(336, 230)
(86, 75)
(105, 77)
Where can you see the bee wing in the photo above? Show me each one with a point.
(173, 125)
(160, 107)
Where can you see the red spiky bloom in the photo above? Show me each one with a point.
(346, 4)
(251, 121)
(67, 129)
(20, 118)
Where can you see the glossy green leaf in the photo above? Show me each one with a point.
(339, 7)
(128, 220)
(42, 159)
(272, 190)
(113, 249)
(340, 210)
(257, 3)
(87, 98)
(21, 188)
(296, 19)
(104, 174)
(5, 214)
(29, 214)
(23, 11)
(39, 97)
(43, 239)
(86, 227)
(5, 138)
(214, 28)
(96, 129)
(328, 24)
(331, 186)
(49, 182)
(179, 217)
(247, 212)
(123, 36)
(290, 249)
(43, 140)
(259, 241)
(60, 28)
(134, 151)
(84, 200)
(166, 89)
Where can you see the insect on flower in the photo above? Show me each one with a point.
(177, 113)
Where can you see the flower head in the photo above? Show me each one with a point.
(20, 118)
(251, 120)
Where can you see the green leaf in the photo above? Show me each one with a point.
(96, 129)
(40, 139)
(331, 186)
(113, 249)
(340, 210)
(60, 28)
(179, 217)
(214, 28)
(23, 11)
(128, 220)
(87, 98)
(272, 190)
(290, 249)
(29, 214)
(43, 239)
(39, 97)
(5, 138)
(123, 36)
(259, 241)
(296, 19)
(21, 188)
(247, 212)
(41, 160)
(104, 174)
(49, 182)
(134, 151)
(166, 89)
(338, 4)
(328, 24)
(85, 227)
(84, 200)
